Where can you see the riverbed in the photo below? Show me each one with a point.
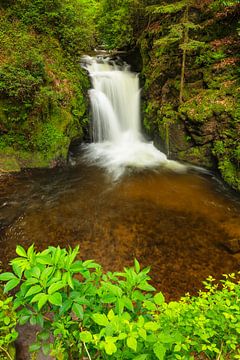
(178, 224)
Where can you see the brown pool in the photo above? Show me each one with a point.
(176, 223)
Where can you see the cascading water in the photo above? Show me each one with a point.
(115, 100)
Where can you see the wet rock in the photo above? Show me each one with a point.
(233, 245)
(27, 336)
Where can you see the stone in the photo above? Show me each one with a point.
(233, 245)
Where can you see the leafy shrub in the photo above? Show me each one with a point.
(119, 22)
(67, 21)
(89, 314)
(8, 321)
(42, 98)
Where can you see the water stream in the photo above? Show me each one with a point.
(117, 140)
(176, 221)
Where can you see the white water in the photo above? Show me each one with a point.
(118, 142)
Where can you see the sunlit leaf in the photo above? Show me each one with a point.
(33, 290)
(11, 285)
(100, 319)
(55, 299)
(132, 343)
(7, 276)
(20, 251)
(78, 310)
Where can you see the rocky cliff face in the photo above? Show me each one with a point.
(201, 125)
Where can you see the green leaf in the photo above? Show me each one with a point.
(30, 251)
(46, 274)
(23, 319)
(141, 357)
(137, 266)
(165, 338)
(150, 325)
(66, 306)
(46, 348)
(159, 299)
(17, 270)
(7, 276)
(85, 336)
(44, 259)
(69, 281)
(20, 251)
(33, 320)
(31, 281)
(128, 303)
(55, 299)
(78, 310)
(90, 264)
(72, 255)
(142, 332)
(122, 336)
(159, 351)
(6, 320)
(43, 335)
(55, 287)
(11, 285)
(34, 290)
(111, 315)
(37, 297)
(42, 301)
(108, 299)
(77, 266)
(146, 287)
(149, 305)
(114, 289)
(110, 347)
(36, 272)
(132, 343)
(34, 347)
(100, 319)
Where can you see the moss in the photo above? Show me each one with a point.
(230, 172)
(43, 100)
(204, 128)
(199, 156)
(206, 104)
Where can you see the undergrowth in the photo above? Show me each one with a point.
(84, 313)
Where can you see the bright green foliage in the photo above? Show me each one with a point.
(65, 20)
(118, 315)
(119, 22)
(8, 334)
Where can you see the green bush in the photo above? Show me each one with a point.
(8, 321)
(70, 22)
(42, 88)
(89, 314)
(119, 22)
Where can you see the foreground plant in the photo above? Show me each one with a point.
(84, 313)
(8, 334)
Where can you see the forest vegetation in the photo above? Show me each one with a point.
(83, 313)
(188, 55)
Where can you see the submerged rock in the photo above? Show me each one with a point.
(233, 245)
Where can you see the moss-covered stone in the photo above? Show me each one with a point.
(203, 127)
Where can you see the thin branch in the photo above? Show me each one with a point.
(6, 352)
(89, 356)
(221, 349)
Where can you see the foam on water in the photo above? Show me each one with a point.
(118, 142)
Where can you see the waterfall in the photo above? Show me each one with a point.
(117, 140)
